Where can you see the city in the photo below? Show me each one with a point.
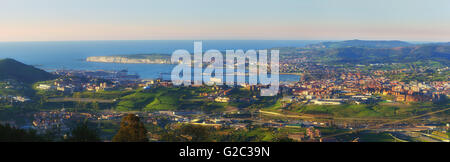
(370, 102)
(225, 79)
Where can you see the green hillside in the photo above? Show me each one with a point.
(392, 55)
(12, 69)
(361, 43)
(364, 55)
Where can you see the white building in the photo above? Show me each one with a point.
(44, 86)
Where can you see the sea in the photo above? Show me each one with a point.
(71, 55)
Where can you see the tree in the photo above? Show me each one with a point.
(82, 133)
(12, 134)
(198, 133)
(131, 130)
(95, 106)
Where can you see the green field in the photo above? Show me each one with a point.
(380, 110)
(181, 98)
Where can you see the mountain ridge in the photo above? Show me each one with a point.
(361, 43)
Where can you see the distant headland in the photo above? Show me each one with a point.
(132, 59)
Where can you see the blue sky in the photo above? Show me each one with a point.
(52, 20)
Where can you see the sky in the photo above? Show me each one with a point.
(71, 20)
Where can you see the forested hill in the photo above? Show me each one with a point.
(438, 52)
(12, 69)
(361, 43)
(350, 51)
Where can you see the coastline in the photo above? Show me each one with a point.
(126, 60)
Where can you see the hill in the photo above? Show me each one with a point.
(361, 43)
(12, 69)
(439, 52)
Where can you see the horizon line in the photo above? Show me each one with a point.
(95, 40)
